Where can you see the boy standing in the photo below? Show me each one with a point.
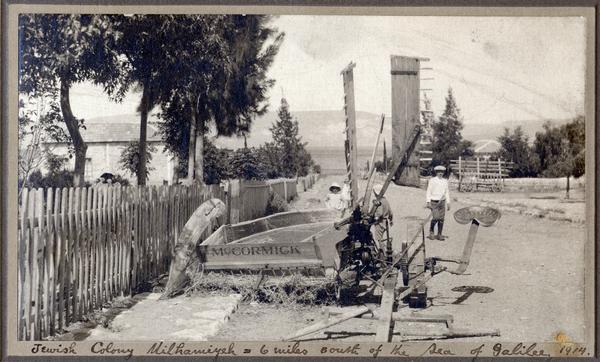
(438, 198)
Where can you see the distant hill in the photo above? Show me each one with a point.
(478, 131)
(325, 129)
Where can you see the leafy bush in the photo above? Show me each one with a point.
(515, 148)
(58, 179)
(121, 180)
(130, 158)
(216, 163)
(560, 151)
(245, 164)
(275, 204)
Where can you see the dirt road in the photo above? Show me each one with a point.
(533, 265)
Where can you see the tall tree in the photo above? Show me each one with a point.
(294, 160)
(223, 83)
(561, 150)
(57, 51)
(515, 147)
(147, 43)
(448, 143)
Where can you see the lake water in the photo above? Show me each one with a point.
(333, 162)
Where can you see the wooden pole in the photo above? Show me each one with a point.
(328, 323)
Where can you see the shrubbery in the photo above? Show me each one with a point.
(558, 151)
(275, 204)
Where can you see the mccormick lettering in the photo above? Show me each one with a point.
(254, 250)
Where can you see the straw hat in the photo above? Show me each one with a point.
(335, 185)
(439, 168)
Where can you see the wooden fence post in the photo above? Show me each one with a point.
(478, 176)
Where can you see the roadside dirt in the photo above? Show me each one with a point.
(533, 267)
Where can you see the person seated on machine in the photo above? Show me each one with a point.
(437, 199)
(383, 215)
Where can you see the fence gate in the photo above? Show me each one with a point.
(481, 174)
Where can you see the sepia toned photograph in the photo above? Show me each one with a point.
(196, 183)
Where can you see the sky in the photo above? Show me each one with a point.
(500, 68)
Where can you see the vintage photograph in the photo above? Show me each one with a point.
(304, 179)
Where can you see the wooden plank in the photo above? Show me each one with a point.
(119, 239)
(37, 271)
(104, 244)
(57, 259)
(32, 260)
(100, 246)
(152, 233)
(69, 242)
(128, 240)
(94, 248)
(134, 242)
(60, 204)
(83, 207)
(405, 81)
(385, 323)
(89, 250)
(21, 266)
(24, 268)
(110, 243)
(49, 264)
(76, 250)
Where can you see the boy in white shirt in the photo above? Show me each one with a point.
(438, 198)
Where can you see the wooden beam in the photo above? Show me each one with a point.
(328, 323)
(386, 324)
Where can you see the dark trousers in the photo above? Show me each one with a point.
(438, 212)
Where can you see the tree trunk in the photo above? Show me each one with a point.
(73, 128)
(568, 185)
(144, 109)
(175, 170)
(199, 158)
(192, 143)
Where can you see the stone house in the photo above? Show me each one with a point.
(106, 141)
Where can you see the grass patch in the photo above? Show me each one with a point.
(289, 290)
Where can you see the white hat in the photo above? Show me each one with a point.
(377, 188)
(439, 168)
(335, 184)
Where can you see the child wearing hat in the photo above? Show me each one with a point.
(334, 198)
(438, 199)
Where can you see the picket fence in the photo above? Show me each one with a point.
(81, 247)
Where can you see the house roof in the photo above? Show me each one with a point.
(116, 132)
(486, 146)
